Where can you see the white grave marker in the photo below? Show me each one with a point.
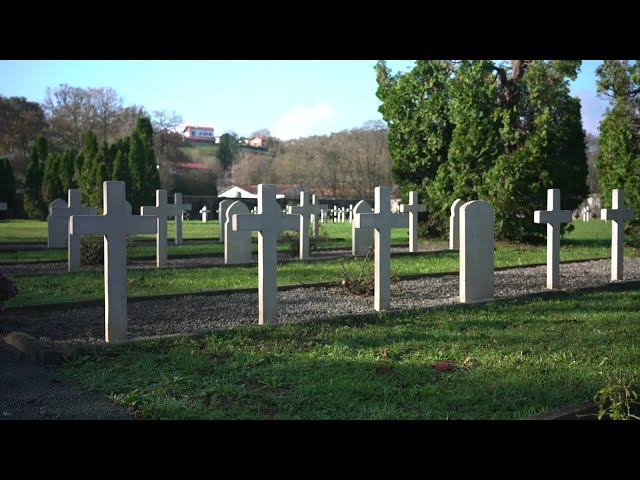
(237, 245)
(315, 217)
(205, 213)
(454, 225)
(585, 213)
(58, 219)
(618, 214)
(177, 201)
(553, 217)
(222, 216)
(413, 209)
(382, 220)
(73, 241)
(57, 224)
(361, 238)
(162, 211)
(115, 225)
(476, 251)
(269, 221)
(324, 212)
(305, 210)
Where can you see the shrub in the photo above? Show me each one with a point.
(8, 290)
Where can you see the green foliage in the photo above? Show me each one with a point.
(144, 178)
(616, 401)
(476, 129)
(92, 249)
(52, 183)
(7, 183)
(357, 275)
(67, 170)
(34, 204)
(227, 150)
(121, 168)
(8, 290)
(618, 161)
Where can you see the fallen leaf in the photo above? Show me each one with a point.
(444, 365)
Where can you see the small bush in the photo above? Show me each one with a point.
(92, 249)
(358, 276)
(617, 401)
(292, 240)
(8, 290)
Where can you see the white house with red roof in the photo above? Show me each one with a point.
(196, 134)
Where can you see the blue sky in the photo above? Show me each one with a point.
(292, 98)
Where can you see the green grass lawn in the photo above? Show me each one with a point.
(513, 360)
(31, 231)
(54, 288)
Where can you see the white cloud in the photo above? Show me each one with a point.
(303, 121)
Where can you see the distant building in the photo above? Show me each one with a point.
(198, 135)
(259, 142)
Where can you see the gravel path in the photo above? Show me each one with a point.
(202, 313)
(38, 268)
(33, 392)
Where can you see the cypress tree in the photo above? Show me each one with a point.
(136, 188)
(7, 183)
(478, 129)
(34, 205)
(67, 170)
(51, 183)
(618, 161)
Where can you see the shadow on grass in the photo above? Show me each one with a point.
(512, 360)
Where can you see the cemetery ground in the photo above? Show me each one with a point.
(496, 361)
(507, 359)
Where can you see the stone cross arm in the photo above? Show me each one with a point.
(617, 214)
(106, 224)
(254, 223)
(376, 220)
(552, 216)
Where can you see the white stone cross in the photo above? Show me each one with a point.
(585, 213)
(305, 210)
(476, 251)
(269, 221)
(324, 210)
(222, 216)
(205, 213)
(237, 245)
(58, 219)
(454, 225)
(553, 217)
(618, 214)
(361, 238)
(73, 241)
(115, 225)
(412, 209)
(315, 217)
(382, 220)
(162, 211)
(350, 213)
(177, 201)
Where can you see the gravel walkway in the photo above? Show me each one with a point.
(33, 392)
(202, 313)
(38, 268)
